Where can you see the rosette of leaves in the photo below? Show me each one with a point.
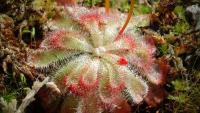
(88, 59)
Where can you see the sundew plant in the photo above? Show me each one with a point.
(99, 57)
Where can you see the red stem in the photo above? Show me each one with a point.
(107, 6)
(127, 20)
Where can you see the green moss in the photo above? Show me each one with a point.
(9, 96)
(91, 3)
(186, 94)
(181, 98)
(180, 11)
(163, 48)
(180, 85)
(141, 9)
(180, 27)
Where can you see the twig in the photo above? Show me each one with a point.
(30, 96)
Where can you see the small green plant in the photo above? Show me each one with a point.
(182, 25)
(186, 94)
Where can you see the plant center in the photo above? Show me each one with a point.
(98, 51)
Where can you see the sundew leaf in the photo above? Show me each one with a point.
(65, 21)
(73, 68)
(136, 86)
(41, 58)
(76, 44)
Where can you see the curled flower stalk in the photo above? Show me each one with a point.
(90, 63)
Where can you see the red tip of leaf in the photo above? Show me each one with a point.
(87, 86)
(122, 61)
(74, 88)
